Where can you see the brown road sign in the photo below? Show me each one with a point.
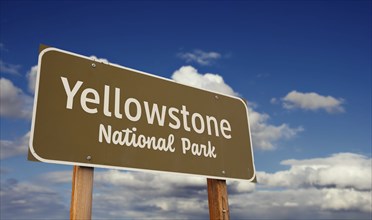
(91, 113)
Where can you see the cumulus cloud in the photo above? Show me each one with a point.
(14, 103)
(309, 203)
(26, 200)
(264, 135)
(200, 57)
(15, 147)
(146, 195)
(140, 179)
(147, 203)
(103, 60)
(149, 195)
(142, 195)
(237, 187)
(342, 170)
(57, 177)
(337, 187)
(31, 77)
(9, 68)
(346, 199)
(312, 101)
(188, 75)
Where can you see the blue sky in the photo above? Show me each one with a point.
(303, 66)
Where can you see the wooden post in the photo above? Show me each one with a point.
(217, 199)
(82, 190)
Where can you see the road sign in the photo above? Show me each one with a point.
(91, 113)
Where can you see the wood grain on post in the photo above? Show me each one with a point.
(82, 190)
(218, 199)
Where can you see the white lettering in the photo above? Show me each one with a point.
(128, 137)
(106, 101)
(127, 109)
(185, 145)
(106, 133)
(225, 126)
(193, 123)
(185, 113)
(155, 112)
(175, 119)
(84, 100)
(198, 149)
(70, 93)
(116, 137)
(209, 119)
(117, 103)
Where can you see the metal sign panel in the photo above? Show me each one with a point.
(91, 113)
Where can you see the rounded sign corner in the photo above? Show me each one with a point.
(33, 152)
(253, 179)
(46, 50)
(244, 101)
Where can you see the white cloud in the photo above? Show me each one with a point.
(103, 60)
(181, 196)
(237, 187)
(264, 135)
(274, 101)
(309, 203)
(57, 177)
(200, 57)
(9, 68)
(165, 182)
(312, 101)
(346, 199)
(14, 103)
(14, 148)
(334, 187)
(31, 77)
(27, 200)
(144, 195)
(342, 170)
(188, 75)
(265, 204)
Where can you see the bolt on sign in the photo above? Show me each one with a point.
(92, 113)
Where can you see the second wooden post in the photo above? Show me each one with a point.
(218, 199)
